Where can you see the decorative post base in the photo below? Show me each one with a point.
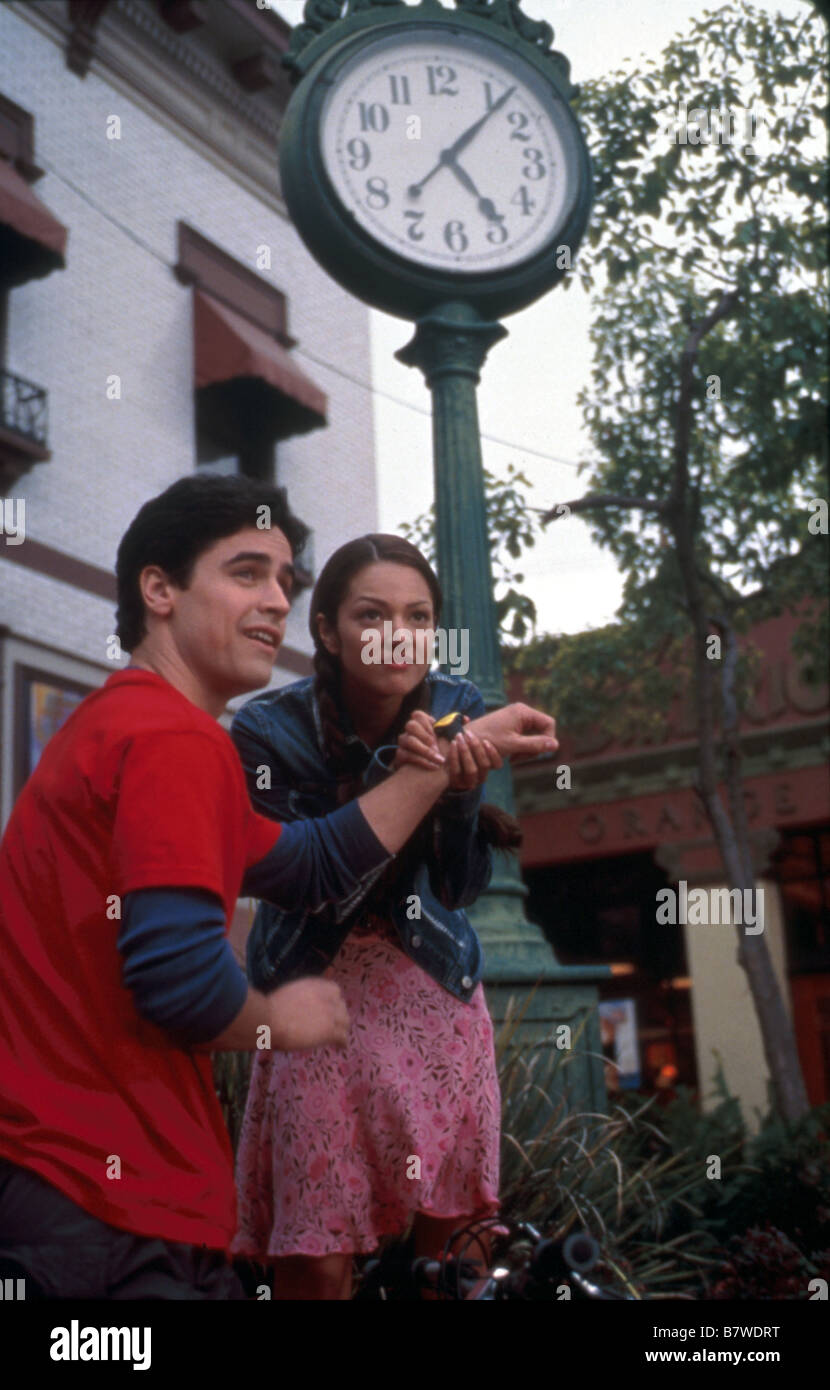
(450, 346)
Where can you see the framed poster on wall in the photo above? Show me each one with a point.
(620, 1045)
(42, 703)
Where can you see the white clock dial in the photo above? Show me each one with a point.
(449, 151)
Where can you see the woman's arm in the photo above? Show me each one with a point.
(382, 820)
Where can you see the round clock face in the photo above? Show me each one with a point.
(449, 150)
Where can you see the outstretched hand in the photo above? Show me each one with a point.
(516, 732)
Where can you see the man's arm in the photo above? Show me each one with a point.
(396, 808)
(306, 1013)
(327, 858)
(183, 977)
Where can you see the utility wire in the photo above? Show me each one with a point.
(423, 410)
(303, 352)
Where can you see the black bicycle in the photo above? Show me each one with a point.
(525, 1266)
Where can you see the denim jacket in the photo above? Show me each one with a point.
(282, 731)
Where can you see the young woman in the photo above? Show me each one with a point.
(340, 1148)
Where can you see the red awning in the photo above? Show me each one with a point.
(228, 347)
(32, 241)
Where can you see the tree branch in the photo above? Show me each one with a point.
(683, 409)
(596, 500)
(677, 253)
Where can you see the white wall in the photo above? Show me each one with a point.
(118, 308)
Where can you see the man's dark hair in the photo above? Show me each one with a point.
(175, 528)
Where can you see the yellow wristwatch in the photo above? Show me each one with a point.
(449, 725)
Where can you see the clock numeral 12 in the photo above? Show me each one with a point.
(442, 74)
(399, 87)
(373, 116)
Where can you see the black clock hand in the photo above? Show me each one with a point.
(447, 156)
(485, 205)
(463, 140)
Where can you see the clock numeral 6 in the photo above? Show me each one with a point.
(377, 193)
(373, 116)
(360, 154)
(455, 236)
(535, 167)
(414, 231)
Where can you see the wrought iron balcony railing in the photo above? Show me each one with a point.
(23, 408)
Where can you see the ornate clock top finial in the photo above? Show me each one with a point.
(319, 15)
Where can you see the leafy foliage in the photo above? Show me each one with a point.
(637, 1180)
(674, 225)
(512, 529)
(765, 1264)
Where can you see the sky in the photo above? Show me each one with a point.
(527, 398)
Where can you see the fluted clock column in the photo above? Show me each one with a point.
(450, 346)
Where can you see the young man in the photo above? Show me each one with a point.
(121, 865)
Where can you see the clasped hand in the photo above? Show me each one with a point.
(467, 759)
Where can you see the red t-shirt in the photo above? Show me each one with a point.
(138, 789)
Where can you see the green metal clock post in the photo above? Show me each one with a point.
(450, 346)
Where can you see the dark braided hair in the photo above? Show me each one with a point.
(495, 825)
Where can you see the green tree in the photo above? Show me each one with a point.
(706, 403)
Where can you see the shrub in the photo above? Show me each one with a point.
(765, 1264)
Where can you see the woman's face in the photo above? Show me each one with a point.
(376, 638)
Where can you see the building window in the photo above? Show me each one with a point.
(803, 874)
(32, 244)
(602, 911)
(232, 434)
(249, 392)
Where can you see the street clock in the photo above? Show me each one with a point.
(428, 155)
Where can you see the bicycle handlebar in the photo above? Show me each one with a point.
(546, 1266)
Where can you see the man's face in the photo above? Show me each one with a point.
(228, 625)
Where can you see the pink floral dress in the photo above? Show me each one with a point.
(339, 1148)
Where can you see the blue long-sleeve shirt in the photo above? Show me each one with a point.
(178, 962)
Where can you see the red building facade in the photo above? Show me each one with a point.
(596, 855)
